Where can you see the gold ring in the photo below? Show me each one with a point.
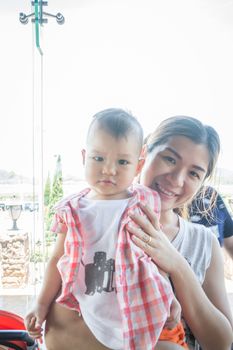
(149, 240)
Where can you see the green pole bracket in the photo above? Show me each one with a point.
(39, 20)
(37, 29)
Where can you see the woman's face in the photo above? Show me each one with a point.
(176, 170)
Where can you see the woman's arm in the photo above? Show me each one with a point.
(207, 314)
(228, 245)
(210, 324)
(214, 284)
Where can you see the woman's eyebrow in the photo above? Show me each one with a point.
(199, 168)
(174, 152)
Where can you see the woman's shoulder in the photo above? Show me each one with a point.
(196, 235)
(191, 229)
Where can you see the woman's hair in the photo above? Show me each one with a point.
(194, 130)
(191, 128)
(118, 123)
(204, 203)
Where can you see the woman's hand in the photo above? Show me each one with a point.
(148, 236)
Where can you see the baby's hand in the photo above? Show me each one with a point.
(175, 314)
(34, 320)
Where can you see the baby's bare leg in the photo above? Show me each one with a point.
(167, 345)
(66, 330)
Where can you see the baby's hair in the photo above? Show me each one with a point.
(118, 123)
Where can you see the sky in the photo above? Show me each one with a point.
(156, 58)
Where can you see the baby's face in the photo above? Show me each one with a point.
(110, 164)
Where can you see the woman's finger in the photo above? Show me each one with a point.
(145, 246)
(144, 225)
(140, 234)
(151, 215)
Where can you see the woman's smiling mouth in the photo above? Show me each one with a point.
(162, 190)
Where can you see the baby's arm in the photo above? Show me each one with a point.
(175, 308)
(50, 288)
(175, 314)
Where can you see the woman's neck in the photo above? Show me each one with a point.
(169, 223)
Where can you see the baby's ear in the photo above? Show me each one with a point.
(83, 155)
(141, 160)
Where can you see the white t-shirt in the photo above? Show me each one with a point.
(96, 279)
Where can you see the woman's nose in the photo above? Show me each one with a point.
(177, 178)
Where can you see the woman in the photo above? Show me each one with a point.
(179, 156)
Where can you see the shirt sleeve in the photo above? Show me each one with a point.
(58, 224)
(228, 225)
(225, 217)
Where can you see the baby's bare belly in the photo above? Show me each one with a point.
(65, 330)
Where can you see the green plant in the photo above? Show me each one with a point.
(56, 193)
(47, 191)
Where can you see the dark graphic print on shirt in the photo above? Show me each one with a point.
(99, 275)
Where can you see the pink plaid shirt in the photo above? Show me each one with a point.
(144, 295)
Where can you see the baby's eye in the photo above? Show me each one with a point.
(123, 162)
(98, 159)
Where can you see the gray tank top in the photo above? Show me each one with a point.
(194, 242)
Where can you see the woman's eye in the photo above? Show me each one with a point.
(123, 162)
(195, 174)
(98, 159)
(170, 159)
